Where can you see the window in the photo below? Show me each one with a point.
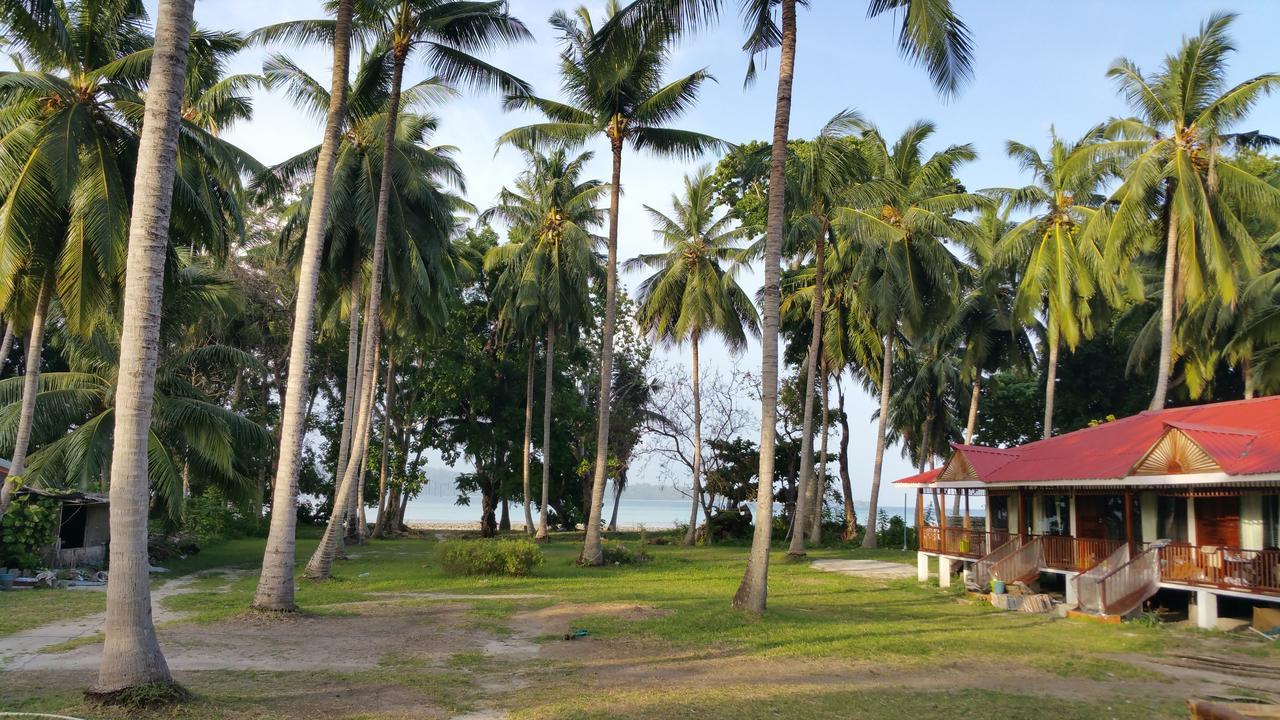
(998, 507)
(1057, 514)
(1270, 521)
(71, 531)
(1171, 523)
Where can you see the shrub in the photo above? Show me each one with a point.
(490, 557)
(615, 553)
(28, 526)
(209, 518)
(728, 525)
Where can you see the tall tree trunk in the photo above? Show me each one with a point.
(30, 388)
(546, 433)
(131, 655)
(882, 424)
(691, 535)
(592, 550)
(321, 562)
(846, 485)
(973, 409)
(753, 592)
(1166, 316)
(803, 490)
(619, 483)
(818, 496)
(1246, 369)
(5, 346)
(275, 584)
(352, 390)
(1051, 379)
(528, 439)
(389, 388)
(504, 518)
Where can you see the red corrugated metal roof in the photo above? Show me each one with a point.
(923, 478)
(1243, 437)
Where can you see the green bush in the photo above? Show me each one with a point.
(490, 557)
(29, 525)
(209, 518)
(615, 553)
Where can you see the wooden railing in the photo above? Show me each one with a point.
(971, 543)
(1088, 584)
(930, 539)
(1124, 588)
(1021, 564)
(982, 568)
(1221, 567)
(1063, 552)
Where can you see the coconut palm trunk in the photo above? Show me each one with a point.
(352, 391)
(592, 550)
(973, 409)
(5, 345)
(803, 490)
(528, 439)
(388, 399)
(1168, 288)
(275, 584)
(546, 433)
(30, 388)
(820, 480)
(846, 485)
(619, 484)
(131, 655)
(320, 565)
(882, 424)
(1051, 380)
(753, 592)
(691, 535)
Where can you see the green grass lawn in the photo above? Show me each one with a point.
(900, 628)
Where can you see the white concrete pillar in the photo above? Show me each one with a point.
(1251, 522)
(944, 572)
(922, 567)
(1206, 610)
(1149, 505)
(1191, 521)
(1072, 596)
(1071, 509)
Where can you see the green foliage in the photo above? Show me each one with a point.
(616, 553)
(29, 524)
(512, 558)
(209, 518)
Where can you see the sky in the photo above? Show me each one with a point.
(1039, 65)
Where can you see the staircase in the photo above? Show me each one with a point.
(1022, 564)
(982, 568)
(1089, 583)
(1123, 588)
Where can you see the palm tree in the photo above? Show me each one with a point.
(692, 293)
(618, 94)
(275, 584)
(1198, 198)
(447, 31)
(190, 426)
(897, 226)
(131, 655)
(824, 169)
(1059, 248)
(68, 131)
(546, 271)
(930, 34)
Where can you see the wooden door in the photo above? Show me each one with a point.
(1218, 521)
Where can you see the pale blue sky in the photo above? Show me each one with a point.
(1039, 64)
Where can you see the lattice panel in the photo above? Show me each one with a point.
(1175, 454)
(957, 469)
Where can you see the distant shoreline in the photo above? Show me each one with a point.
(515, 526)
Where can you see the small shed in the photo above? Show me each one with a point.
(84, 528)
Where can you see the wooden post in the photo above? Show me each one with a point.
(1022, 516)
(920, 516)
(1128, 521)
(966, 509)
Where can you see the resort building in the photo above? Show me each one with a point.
(1185, 499)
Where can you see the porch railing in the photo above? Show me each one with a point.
(1089, 583)
(1022, 564)
(982, 568)
(1124, 588)
(971, 543)
(1227, 568)
(1063, 552)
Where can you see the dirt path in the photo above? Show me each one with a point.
(24, 650)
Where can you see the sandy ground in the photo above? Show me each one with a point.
(865, 568)
(353, 659)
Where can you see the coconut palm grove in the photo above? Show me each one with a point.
(503, 359)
